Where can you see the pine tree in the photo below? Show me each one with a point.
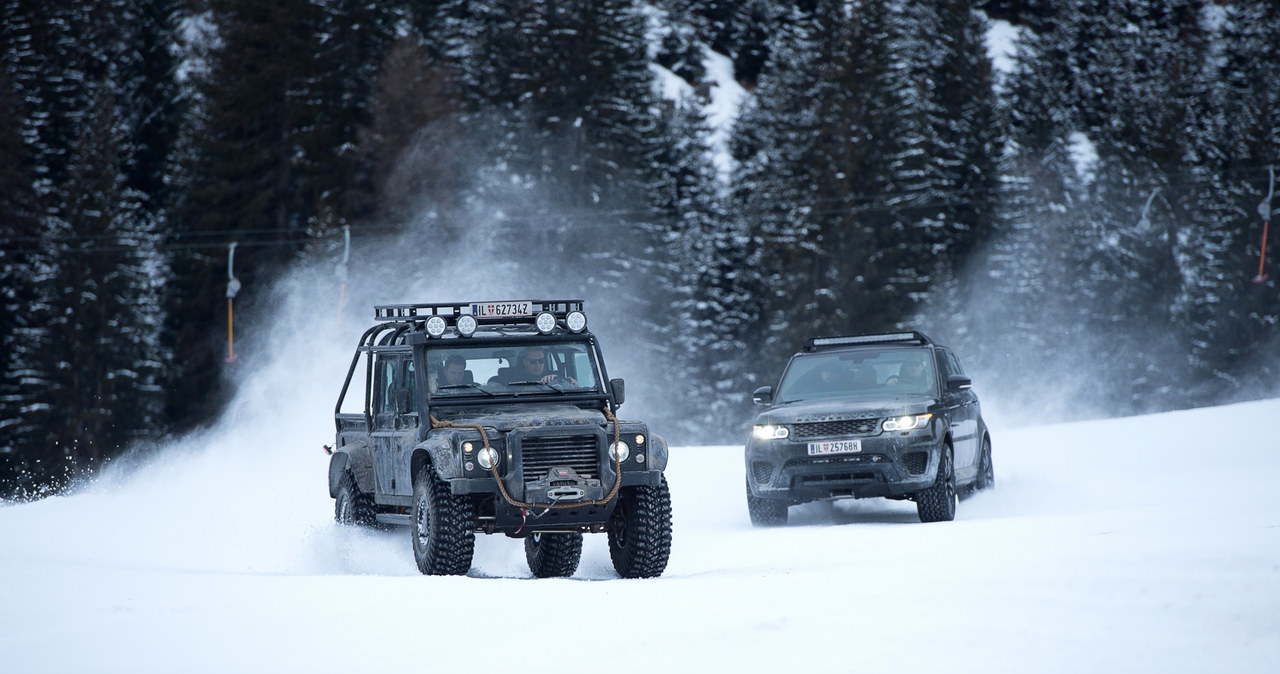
(268, 157)
(813, 148)
(1247, 139)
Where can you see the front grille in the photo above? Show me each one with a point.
(540, 453)
(762, 470)
(836, 429)
(915, 462)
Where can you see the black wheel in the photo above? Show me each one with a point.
(553, 555)
(986, 471)
(938, 502)
(443, 538)
(640, 531)
(766, 512)
(353, 507)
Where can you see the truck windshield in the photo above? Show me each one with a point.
(494, 370)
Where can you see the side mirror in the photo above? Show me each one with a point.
(959, 382)
(402, 401)
(763, 395)
(619, 390)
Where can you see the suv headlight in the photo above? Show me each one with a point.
(770, 432)
(619, 451)
(908, 422)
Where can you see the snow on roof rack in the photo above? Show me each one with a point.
(910, 337)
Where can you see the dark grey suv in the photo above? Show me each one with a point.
(891, 415)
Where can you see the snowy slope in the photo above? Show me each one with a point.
(1143, 544)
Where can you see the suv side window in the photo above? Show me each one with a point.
(950, 365)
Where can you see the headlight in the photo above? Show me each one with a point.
(908, 422)
(770, 432)
(466, 325)
(619, 451)
(487, 457)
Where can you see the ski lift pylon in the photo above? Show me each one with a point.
(1264, 209)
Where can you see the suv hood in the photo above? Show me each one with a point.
(504, 418)
(835, 409)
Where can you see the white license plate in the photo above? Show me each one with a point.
(835, 447)
(502, 309)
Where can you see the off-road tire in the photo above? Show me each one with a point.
(640, 531)
(353, 507)
(766, 512)
(986, 471)
(938, 502)
(553, 555)
(441, 527)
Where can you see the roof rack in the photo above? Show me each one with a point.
(504, 312)
(906, 337)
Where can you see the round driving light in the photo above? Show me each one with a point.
(619, 452)
(546, 322)
(466, 325)
(436, 326)
(576, 320)
(487, 457)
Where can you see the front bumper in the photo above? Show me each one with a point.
(890, 465)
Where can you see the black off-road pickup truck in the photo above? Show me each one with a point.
(497, 418)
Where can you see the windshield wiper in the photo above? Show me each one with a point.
(532, 383)
(470, 386)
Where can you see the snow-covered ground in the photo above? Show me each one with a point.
(1145, 544)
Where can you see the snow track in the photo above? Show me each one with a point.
(1142, 544)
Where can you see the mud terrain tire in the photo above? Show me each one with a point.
(442, 532)
(353, 507)
(640, 531)
(553, 555)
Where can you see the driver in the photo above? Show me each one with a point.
(532, 366)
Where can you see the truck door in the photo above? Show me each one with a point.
(394, 423)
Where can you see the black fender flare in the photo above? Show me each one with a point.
(356, 458)
(657, 452)
(439, 452)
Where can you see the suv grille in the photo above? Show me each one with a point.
(833, 429)
(540, 453)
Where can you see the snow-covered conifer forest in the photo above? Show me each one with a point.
(1073, 195)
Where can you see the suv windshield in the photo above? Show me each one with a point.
(508, 368)
(858, 373)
